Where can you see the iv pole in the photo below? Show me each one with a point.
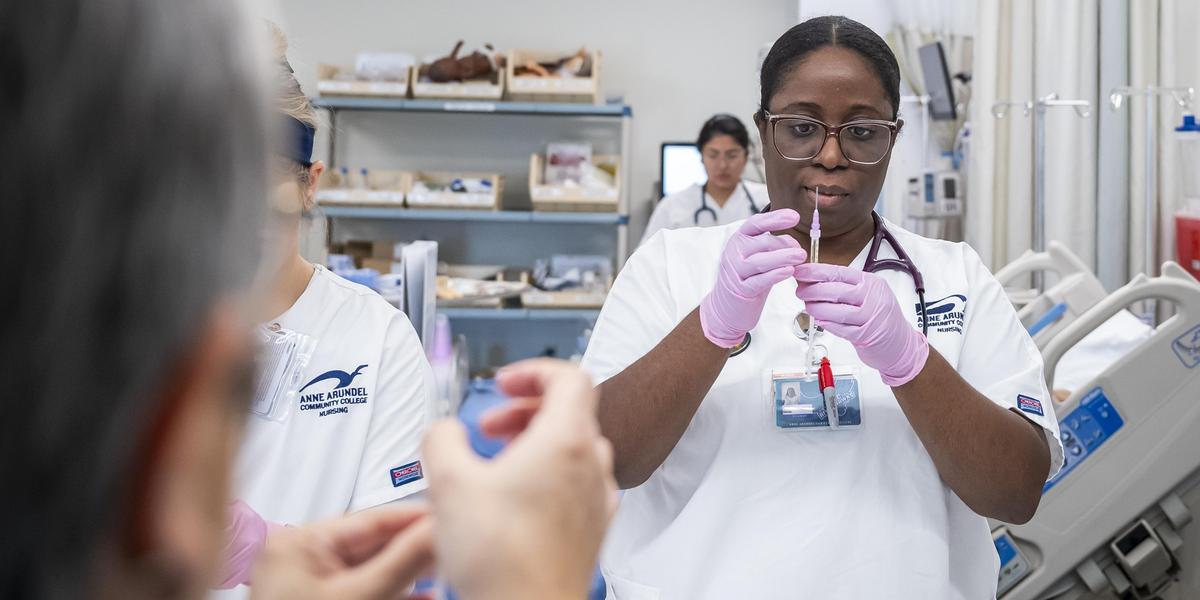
(1183, 97)
(1039, 108)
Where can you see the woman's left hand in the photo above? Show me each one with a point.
(861, 309)
(373, 554)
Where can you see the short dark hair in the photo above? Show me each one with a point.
(724, 124)
(134, 194)
(819, 32)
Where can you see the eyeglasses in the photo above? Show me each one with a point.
(865, 141)
(731, 156)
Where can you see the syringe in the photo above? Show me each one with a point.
(814, 252)
(814, 232)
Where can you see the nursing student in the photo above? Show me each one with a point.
(350, 440)
(725, 196)
(942, 420)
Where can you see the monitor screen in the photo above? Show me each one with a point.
(681, 167)
(937, 82)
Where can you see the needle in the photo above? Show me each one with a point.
(814, 251)
(814, 233)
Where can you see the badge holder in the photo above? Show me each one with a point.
(821, 397)
(283, 355)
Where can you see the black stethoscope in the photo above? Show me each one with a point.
(902, 263)
(874, 264)
(705, 208)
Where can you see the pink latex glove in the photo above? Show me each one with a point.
(752, 263)
(861, 309)
(245, 536)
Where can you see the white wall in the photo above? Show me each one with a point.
(675, 61)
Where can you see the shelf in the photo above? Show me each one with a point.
(569, 217)
(490, 216)
(522, 314)
(564, 109)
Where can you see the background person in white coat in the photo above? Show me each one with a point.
(724, 147)
(127, 358)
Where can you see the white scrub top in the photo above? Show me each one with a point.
(351, 441)
(742, 509)
(679, 209)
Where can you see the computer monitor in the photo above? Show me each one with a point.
(681, 166)
(937, 82)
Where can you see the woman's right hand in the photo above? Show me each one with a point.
(754, 260)
(529, 523)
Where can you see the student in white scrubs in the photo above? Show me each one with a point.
(350, 440)
(954, 428)
(725, 197)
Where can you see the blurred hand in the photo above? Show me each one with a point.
(528, 524)
(245, 538)
(373, 554)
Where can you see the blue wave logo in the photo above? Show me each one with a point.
(946, 315)
(343, 378)
(944, 305)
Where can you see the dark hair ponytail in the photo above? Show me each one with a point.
(816, 33)
(724, 124)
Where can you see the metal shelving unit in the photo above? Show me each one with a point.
(622, 112)
(495, 326)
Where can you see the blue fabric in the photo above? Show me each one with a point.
(483, 397)
(297, 141)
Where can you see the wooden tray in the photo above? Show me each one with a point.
(583, 89)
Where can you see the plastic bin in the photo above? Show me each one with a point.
(368, 187)
(484, 200)
(334, 80)
(1187, 242)
(562, 198)
(490, 89)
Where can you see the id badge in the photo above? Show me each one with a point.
(796, 401)
(282, 357)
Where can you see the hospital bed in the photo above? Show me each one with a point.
(1113, 522)
(1047, 314)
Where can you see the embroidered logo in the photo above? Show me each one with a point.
(406, 473)
(340, 399)
(946, 315)
(1030, 405)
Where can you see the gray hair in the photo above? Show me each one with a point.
(133, 186)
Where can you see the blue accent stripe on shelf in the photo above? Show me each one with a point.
(521, 314)
(474, 106)
(493, 216)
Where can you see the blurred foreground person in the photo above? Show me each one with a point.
(135, 157)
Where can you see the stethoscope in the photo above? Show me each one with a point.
(901, 263)
(705, 208)
(873, 264)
